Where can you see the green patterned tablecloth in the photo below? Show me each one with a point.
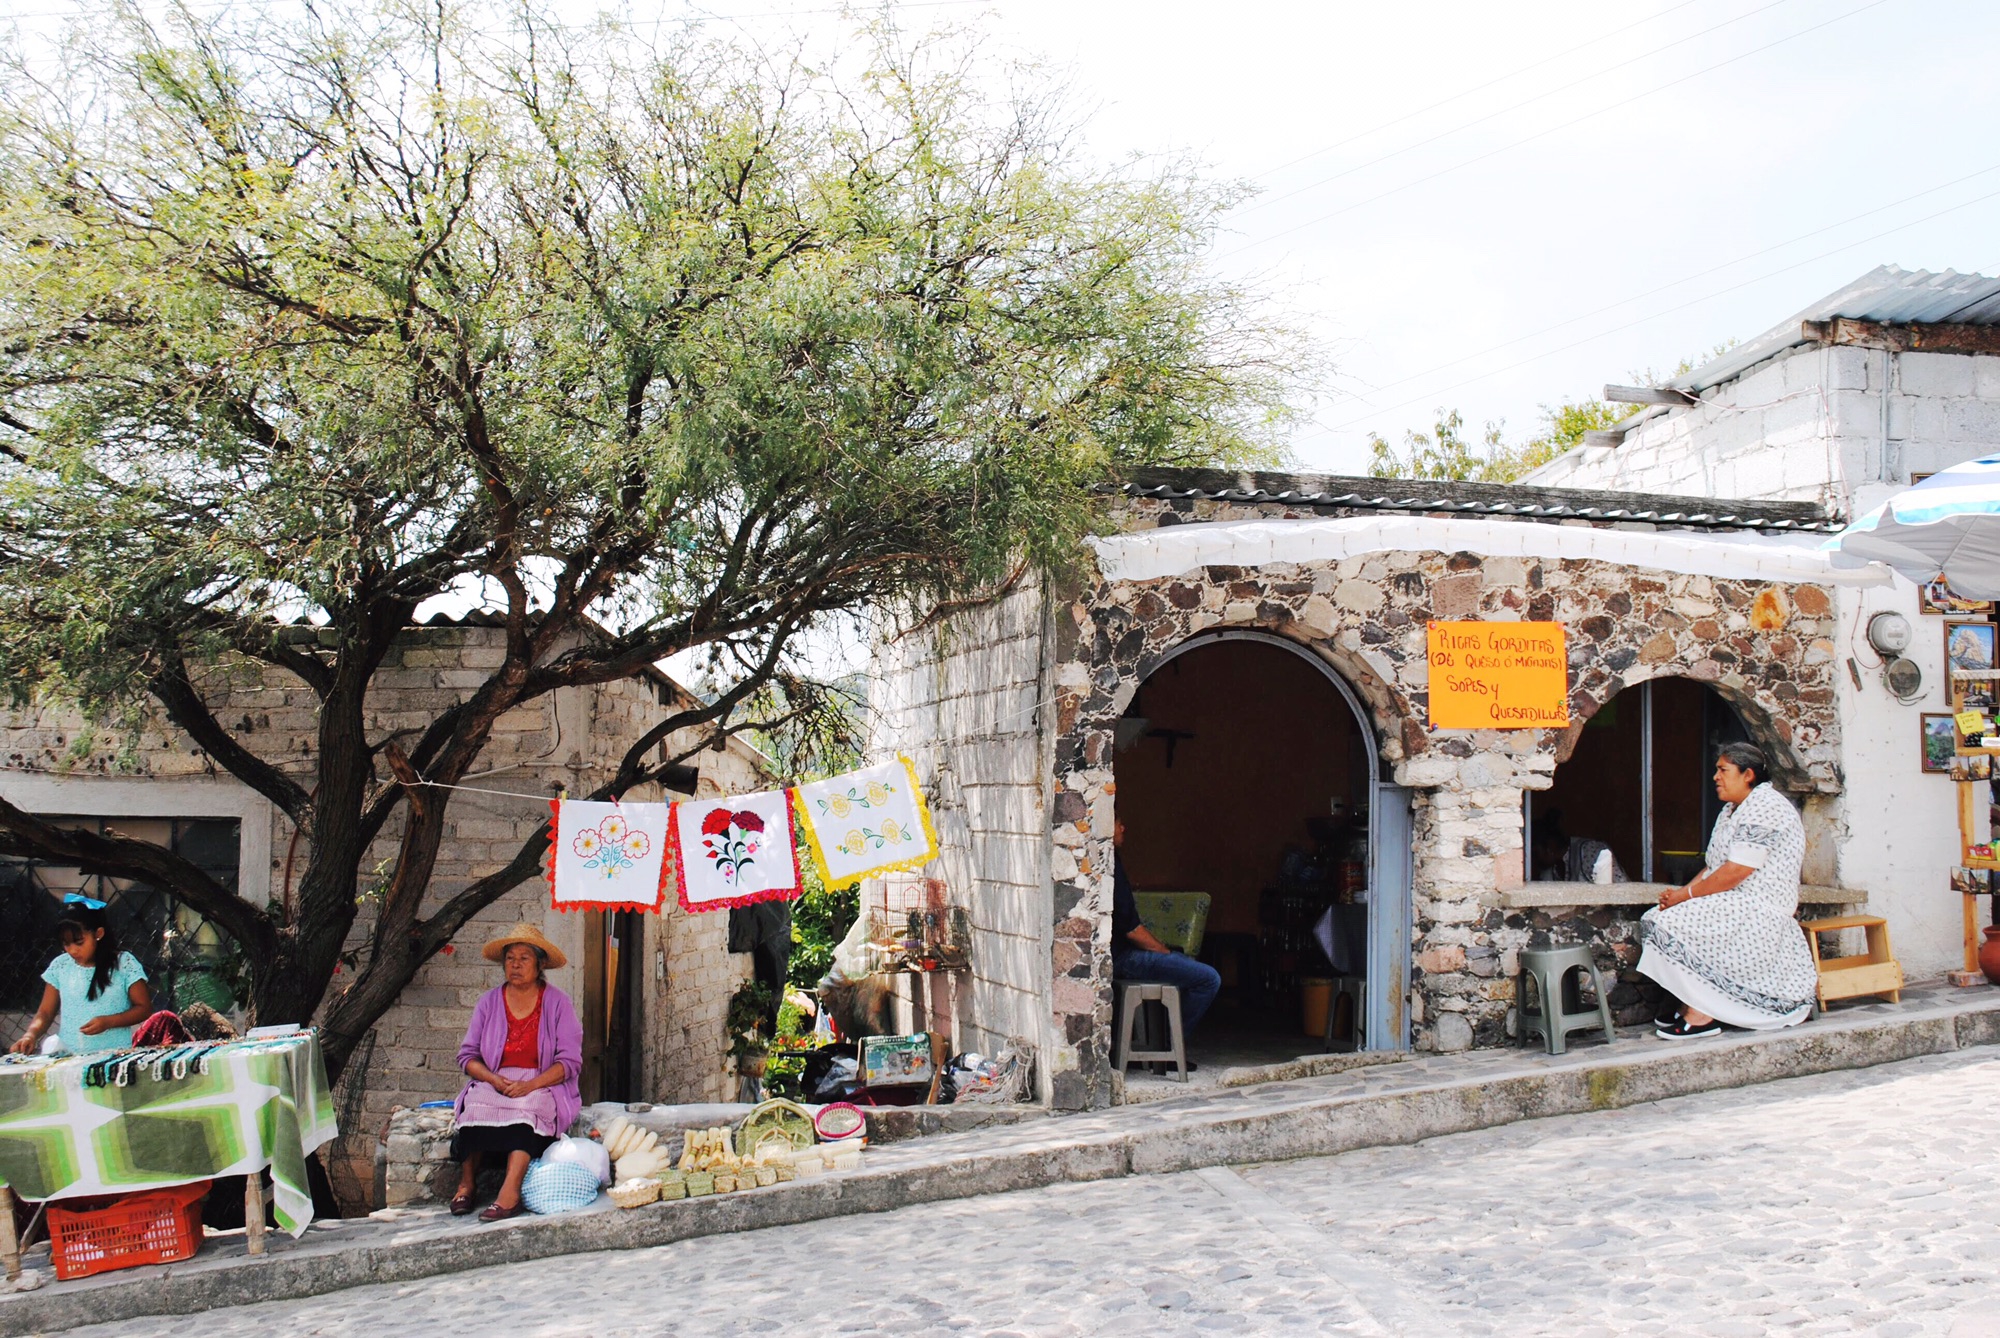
(261, 1103)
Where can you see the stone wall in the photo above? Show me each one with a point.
(1366, 617)
(965, 700)
(573, 738)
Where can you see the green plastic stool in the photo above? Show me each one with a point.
(1549, 968)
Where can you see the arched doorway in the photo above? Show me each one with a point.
(1639, 782)
(1245, 770)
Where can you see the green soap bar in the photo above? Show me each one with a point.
(673, 1189)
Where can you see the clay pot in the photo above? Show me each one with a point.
(752, 1066)
(1989, 954)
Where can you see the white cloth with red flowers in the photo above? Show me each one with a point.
(735, 851)
(608, 856)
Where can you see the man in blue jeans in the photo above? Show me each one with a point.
(1137, 955)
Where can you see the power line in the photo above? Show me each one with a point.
(1654, 315)
(1262, 201)
(1466, 93)
(1690, 278)
(1543, 134)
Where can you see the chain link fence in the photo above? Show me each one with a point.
(187, 959)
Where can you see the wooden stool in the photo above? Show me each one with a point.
(1851, 977)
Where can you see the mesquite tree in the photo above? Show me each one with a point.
(302, 325)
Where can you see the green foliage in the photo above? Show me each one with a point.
(749, 1019)
(1443, 453)
(820, 920)
(657, 345)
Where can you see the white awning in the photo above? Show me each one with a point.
(1174, 549)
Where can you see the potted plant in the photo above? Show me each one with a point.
(749, 1024)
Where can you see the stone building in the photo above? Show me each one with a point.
(1239, 676)
(652, 989)
(1892, 377)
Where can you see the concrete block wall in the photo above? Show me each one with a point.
(1840, 426)
(964, 700)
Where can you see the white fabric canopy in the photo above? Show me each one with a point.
(1174, 549)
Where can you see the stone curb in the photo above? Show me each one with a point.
(1296, 1124)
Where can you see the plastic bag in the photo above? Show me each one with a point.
(998, 1081)
(585, 1152)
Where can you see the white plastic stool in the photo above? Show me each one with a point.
(1134, 995)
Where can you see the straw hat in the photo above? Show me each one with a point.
(496, 948)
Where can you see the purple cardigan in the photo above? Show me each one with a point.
(561, 1043)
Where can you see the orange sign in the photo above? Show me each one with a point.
(1498, 676)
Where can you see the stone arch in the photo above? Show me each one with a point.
(1765, 723)
(1383, 710)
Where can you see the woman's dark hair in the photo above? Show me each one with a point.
(1745, 757)
(80, 921)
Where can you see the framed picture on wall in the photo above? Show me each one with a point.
(1969, 647)
(1940, 741)
(1936, 597)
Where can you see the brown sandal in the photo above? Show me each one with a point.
(495, 1213)
(461, 1204)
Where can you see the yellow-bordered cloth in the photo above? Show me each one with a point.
(735, 851)
(607, 856)
(866, 822)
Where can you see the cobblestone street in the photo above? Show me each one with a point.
(1857, 1202)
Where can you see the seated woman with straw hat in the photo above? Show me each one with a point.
(521, 1057)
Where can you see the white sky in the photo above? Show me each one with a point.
(1496, 206)
(1496, 256)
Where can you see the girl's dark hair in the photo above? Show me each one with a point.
(1745, 757)
(86, 921)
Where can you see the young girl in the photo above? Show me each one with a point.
(101, 991)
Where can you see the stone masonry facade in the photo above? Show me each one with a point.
(572, 739)
(1768, 648)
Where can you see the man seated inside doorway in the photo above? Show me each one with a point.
(1136, 955)
(1561, 858)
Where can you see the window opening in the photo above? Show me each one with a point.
(1639, 781)
(187, 959)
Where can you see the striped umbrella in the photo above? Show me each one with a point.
(1948, 525)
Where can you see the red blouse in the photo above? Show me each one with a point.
(524, 1040)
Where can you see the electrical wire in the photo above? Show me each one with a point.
(1689, 278)
(1564, 54)
(1265, 200)
(1543, 134)
(1665, 311)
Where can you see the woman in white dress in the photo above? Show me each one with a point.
(1728, 945)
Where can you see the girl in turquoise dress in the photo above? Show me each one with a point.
(101, 992)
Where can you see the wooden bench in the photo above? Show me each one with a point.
(1875, 972)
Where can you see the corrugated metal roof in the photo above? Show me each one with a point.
(1888, 293)
(1347, 493)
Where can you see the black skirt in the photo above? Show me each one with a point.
(500, 1138)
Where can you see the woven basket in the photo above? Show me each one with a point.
(636, 1193)
(776, 1116)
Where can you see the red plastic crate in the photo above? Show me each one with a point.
(152, 1226)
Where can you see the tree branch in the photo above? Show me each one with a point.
(186, 709)
(24, 834)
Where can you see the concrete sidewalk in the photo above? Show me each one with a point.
(1379, 1104)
